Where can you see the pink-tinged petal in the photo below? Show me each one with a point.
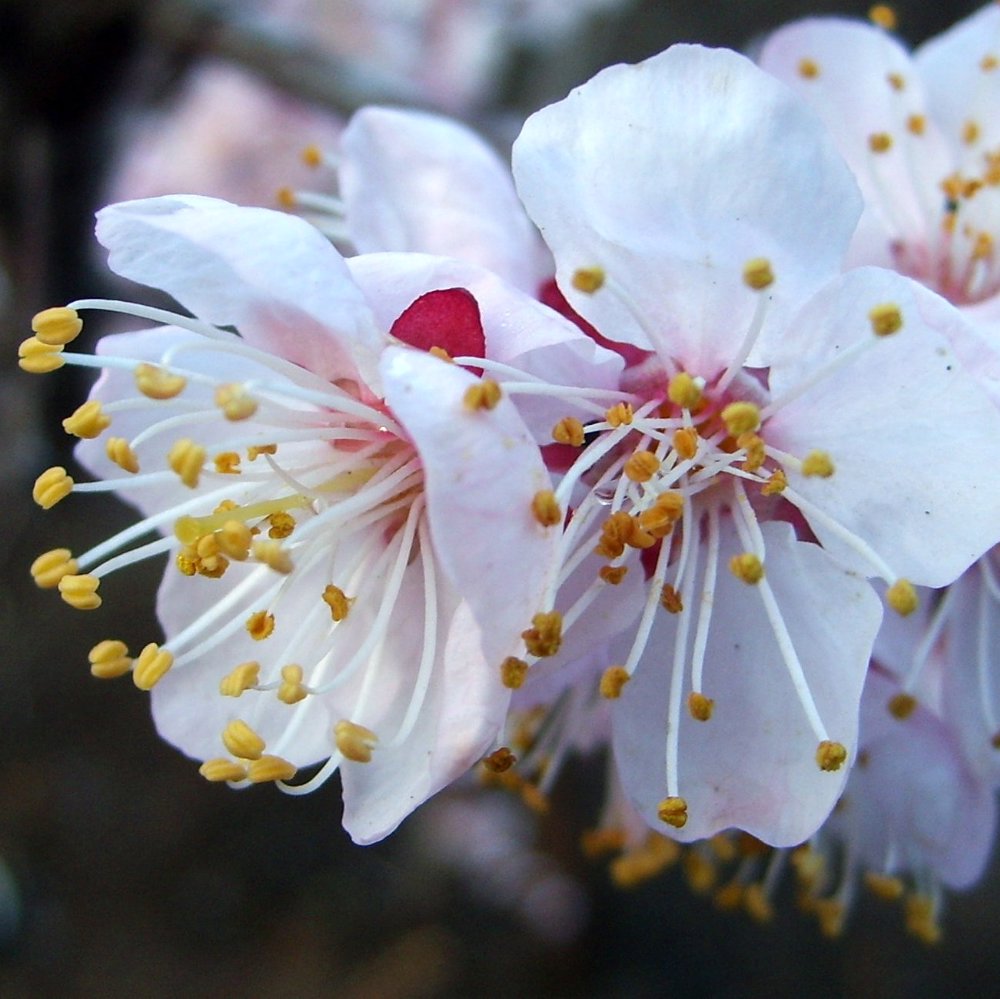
(273, 276)
(863, 83)
(482, 471)
(417, 182)
(971, 676)
(669, 177)
(459, 719)
(520, 331)
(752, 765)
(914, 440)
(448, 318)
(960, 86)
(913, 802)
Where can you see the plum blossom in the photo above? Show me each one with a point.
(768, 452)
(921, 133)
(358, 530)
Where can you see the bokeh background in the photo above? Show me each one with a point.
(122, 873)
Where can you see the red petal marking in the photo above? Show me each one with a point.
(448, 319)
(550, 295)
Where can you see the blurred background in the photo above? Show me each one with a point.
(121, 871)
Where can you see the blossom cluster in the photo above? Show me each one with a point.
(681, 439)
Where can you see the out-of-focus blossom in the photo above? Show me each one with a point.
(922, 135)
(359, 531)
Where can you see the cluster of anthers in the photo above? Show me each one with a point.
(348, 518)
(649, 483)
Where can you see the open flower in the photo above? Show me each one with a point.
(357, 529)
(770, 453)
(922, 136)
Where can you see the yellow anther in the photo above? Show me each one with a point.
(88, 421)
(971, 132)
(256, 450)
(292, 689)
(282, 525)
(747, 567)
(656, 521)
(884, 886)
(441, 354)
(57, 327)
(285, 197)
(983, 246)
(273, 555)
(880, 142)
(222, 769)
(80, 591)
(588, 279)
(620, 414)
(831, 755)
(886, 319)
(641, 466)
(270, 768)
(51, 566)
(186, 459)
(830, 914)
(544, 637)
(235, 402)
(897, 81)
(120, 452)
(809, 865)
(109, 659)
(700, 706)
(902, 597)
(612, 574)
(884, 16)
(916, 124)
(260, 624)
(512, 672)
(988, 63)
(355, 742)
(545, 508)
(701, 871)
(776, 483)
(808, 69)
(234, 538)
(39, 358)
(729, 897)
(921, 919)
(338, 602)
(636, 866)
(244, 677)
(756, 903)
(758, 273)
(485, 394)
(157, 383)
(685, 441)
(754, 447)
(673, 811)
(613, 681)
(51, 486)
(242, 741)
(499, 761)
(227, 463)
(685, 391)
(901, 705)
(670, 599)
(597, 843)
(615, 533)
(569, 430)
(740, 418)
(150, 666)
(312, 156)
(817, 463)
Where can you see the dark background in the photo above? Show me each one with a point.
(123, 873)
